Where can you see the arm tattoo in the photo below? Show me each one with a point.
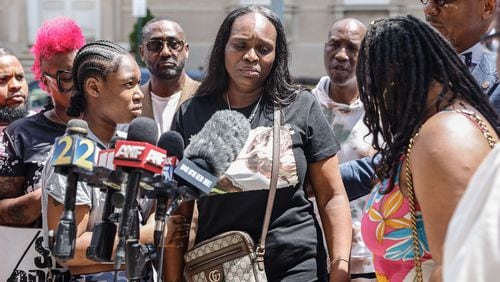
(11, 187)
(16, 213)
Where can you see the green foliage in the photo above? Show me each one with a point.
(134, 37)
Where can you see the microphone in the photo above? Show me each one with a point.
(212, 150)
(208, 156)
(73, 154)
(110, 180)
(136, 156)
(104, 174)
(173, 143)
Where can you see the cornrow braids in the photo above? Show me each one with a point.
(96, 59)
(398, 60)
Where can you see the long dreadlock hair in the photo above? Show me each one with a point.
(96, 59)
(399, 58)
(278, 86)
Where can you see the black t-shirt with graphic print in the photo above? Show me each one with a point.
(27, 146)
(294, 245)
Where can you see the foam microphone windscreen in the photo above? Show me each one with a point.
(172, 142)
(78, 126)
(112, 142)
(143, 129)
(220, 141)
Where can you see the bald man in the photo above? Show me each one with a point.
(338, 92)
(338, 96)
(164, 49)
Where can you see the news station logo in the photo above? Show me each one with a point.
(74, 150)
(139, 155)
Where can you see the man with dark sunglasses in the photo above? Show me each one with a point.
(164, 50)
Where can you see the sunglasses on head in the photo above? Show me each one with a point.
(63, 79)
(437, 2)
(156, 45)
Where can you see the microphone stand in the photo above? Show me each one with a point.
(135, 254)
(163, 191)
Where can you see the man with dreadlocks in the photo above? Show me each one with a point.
(429, 120)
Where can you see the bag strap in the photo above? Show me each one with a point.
(481, 124)
(261, 247)
(417, 259)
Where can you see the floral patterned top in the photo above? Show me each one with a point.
(387, 232)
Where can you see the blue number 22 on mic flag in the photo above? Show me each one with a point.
(74, 150)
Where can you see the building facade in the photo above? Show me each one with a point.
(306, 23)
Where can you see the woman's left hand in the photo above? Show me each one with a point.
(177, 231)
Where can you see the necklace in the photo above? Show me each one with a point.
(58, 117)
(254, 111)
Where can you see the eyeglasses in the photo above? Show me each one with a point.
(173, 45)
(63, 79)
(439, 3)
(491, 41)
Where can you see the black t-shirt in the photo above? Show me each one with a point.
(28, 142)
(294, 245)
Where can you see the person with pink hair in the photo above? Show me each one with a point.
(28, 140)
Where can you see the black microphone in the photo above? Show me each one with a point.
(166, 189)
(208, 156)
(136, 156)
(172, 142)
(211, 151)
(73, 154)
(104, 232)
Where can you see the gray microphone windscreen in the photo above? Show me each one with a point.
(220, 141)
(77, 126)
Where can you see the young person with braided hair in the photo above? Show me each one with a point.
(106, 79)
(429, 120)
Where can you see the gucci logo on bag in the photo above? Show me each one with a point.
(214, 276)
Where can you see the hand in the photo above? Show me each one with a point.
(177, 232)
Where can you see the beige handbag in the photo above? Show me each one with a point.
(233, 256)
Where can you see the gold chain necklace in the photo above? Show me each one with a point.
(254, 111)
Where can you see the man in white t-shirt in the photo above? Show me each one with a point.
(338, 96)
(164, 49)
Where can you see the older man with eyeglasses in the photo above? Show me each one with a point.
(164, 49)
(463, 22)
